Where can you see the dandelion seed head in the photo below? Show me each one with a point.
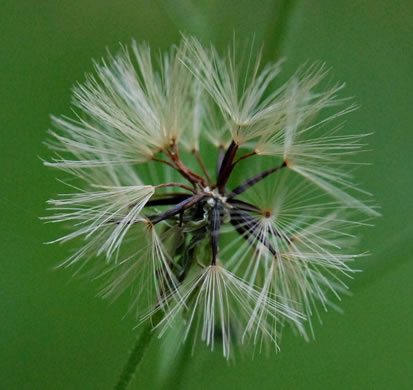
(219, 198)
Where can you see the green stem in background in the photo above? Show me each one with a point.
(176, 374)
(277, 32)
(136, 355)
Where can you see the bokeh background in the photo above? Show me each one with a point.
(55, 334)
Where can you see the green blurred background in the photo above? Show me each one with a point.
(54, 333)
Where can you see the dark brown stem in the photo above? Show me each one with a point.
(203, 166)
(247, 226)
(232, 166)
(185, 204)
(253, 180)
(167, 200)
(245, 156)
(221, 153)
(164, 162)
(240, 204)
(215, 227)
(243, 232)
(226, 166)
(184, 170)
(175, 184)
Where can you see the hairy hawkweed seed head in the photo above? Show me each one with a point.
(225, 203)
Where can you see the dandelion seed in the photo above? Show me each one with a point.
(214, 198)
(223, 303)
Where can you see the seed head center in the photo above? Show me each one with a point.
(214, 196)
